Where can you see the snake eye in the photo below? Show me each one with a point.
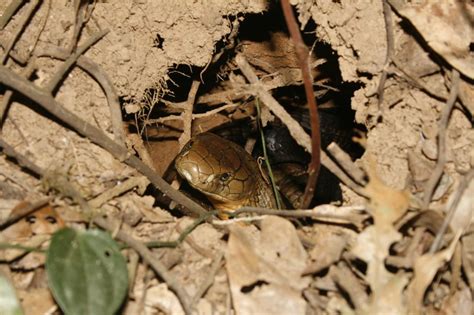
(224, 177)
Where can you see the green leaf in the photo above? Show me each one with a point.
(87, 274)
(9, 304)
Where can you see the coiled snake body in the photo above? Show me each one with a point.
(224, 172)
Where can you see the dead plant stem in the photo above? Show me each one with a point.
(58, 76)
(302, 53)
(101, 77)
(442, 128)
(451, 211)
(19, 30)
(387, 14)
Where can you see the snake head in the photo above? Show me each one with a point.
(219, 168)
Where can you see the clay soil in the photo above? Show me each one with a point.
(397, 241)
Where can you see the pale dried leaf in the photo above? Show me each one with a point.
(446, 29)
(425, 268)
(37, 301)
(372, 246)
(387, 206)
(463, 217)
(460, 303)
(264, 274)
(322, 255)
(161, 297)
(390, 299)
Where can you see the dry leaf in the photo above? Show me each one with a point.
(446, 28)
(37, 301)
(460, 303)
(387, 206)
(425, 269)
(390, 298)
(264, 275)
(159, 296)
(372, 245)
(463, 215)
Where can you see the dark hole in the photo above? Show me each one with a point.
(107, 253)
(158, 42)
(251, 287)
(51, 219)
(31, 219)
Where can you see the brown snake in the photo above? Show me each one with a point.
(224, 172)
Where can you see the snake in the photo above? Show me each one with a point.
(224, 172)
(230, 177)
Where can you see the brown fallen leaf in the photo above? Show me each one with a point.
(37, 301)
(425, 268)
(446, 27)
(386, 205)
(31, 231)
(265, 273)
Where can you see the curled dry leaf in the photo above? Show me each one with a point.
(463, 216)
(31, 231)
(372, 245)
(265, 275)
(159, 296)
(425, 269)
(446, 27)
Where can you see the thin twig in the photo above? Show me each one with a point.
(26, 73)
(327, 213)
(9, 12)
(204, 252)
(187, 114)
(206, 284)
(30, 67)
(231, 39)
(202, 218)
(23, 248)
(276, 193)
(79, 10)
(215, 111)
(346, 279)
(117, 190)
(451, 211)
(53, 83)
(416, 82)
(442, 128)
(97, 136)
(296, 131)
(346, 163)
(387, 14)
(40, 31)
(102, 78)
(22, 160)
(21, 27)
(303, 54)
